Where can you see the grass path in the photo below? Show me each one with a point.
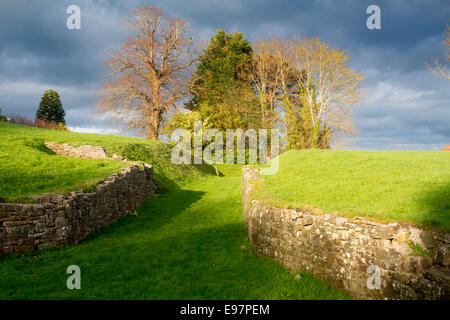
(185, 244)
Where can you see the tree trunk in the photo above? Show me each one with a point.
(153, 126)
(152, 134)
(262, 102)
(315, 134)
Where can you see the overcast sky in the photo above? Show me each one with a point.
(406, 106)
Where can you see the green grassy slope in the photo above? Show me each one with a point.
(390, 185)
(184, 244)
(27, 167)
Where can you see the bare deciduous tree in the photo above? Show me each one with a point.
(149, 73)
(266, 77)
(438, 67)
(328, 87)
(313, 84)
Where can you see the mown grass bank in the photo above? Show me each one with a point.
(188, 243)
(385, 185)
(27, 167)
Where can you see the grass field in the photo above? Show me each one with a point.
(386, 185)
(188, 243)
(191, 242)
(27, 167)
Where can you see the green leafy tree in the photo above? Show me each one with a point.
(221, 93)
(50, 107)
(186, 121)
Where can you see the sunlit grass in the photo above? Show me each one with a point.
(387, 185)
(27, 167)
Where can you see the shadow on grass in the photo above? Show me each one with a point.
(38, 144)
(154, 214)
(435, 203)
(151, 216)
(137, 260)
(209, 263)
(167, 174)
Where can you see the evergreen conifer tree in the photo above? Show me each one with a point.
(50, 107)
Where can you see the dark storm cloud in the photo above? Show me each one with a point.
(36, 43)
(406, 105)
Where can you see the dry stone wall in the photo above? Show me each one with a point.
(84, 151)
(339, 250)
(56, 220)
